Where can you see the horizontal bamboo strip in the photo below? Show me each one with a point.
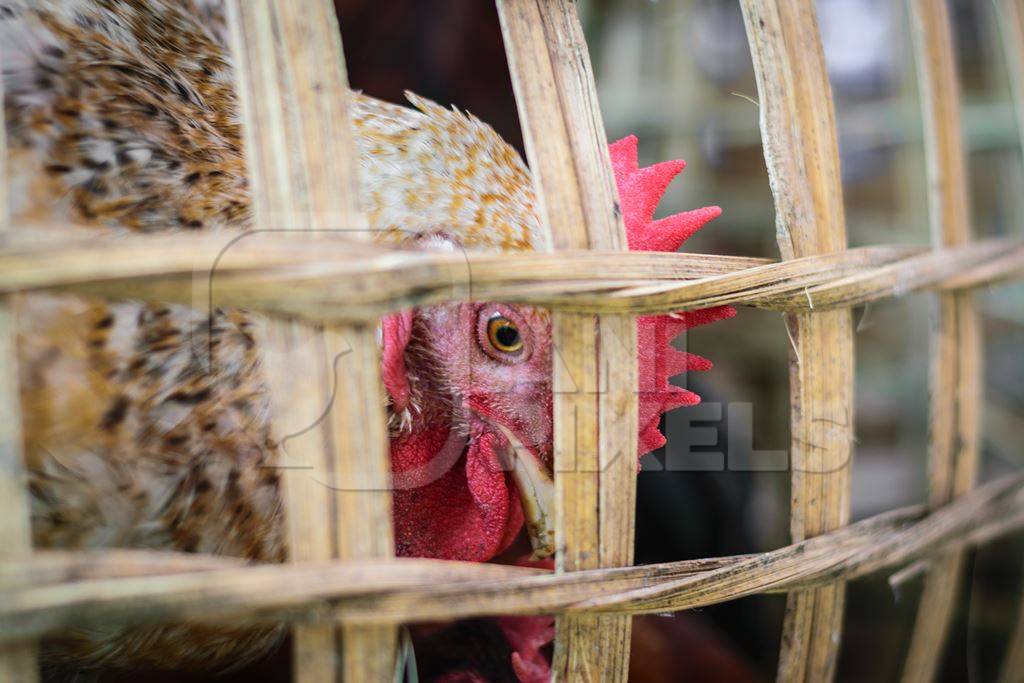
(321, 280)
(412, 590)
(60, 566)
(60, 258)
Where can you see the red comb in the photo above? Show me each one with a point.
(640, 190)
(470, 513)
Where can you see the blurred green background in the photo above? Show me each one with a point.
(679, 74)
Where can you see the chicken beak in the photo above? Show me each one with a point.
(536, 493)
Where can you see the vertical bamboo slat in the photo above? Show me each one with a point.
(18, 662)
(798, 134)
(595, 367)
(956, 362)
(327, 400)
(1011, 22)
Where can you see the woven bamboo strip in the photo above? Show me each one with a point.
(1011, 23)
(18, 662)
(351, 281)
(798, 134)
(48, 593)
(956, 361)
(335, 464)
(595, 376)
(1010, 18)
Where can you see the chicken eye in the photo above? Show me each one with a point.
(503, 335)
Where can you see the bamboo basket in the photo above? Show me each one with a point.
(342, 578)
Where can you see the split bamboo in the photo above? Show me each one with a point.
(800, 149)
(345, 280)
(52, 590)
(956, 362)
(1010, 18)
(595, 379)
(326, 395)
(18, 661)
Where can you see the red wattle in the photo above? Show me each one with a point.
(396, 331)
(465, 512)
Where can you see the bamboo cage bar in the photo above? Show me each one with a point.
(801, 152)
(18, 661)
(53, 590)
(353, 281)
(342, 590)
(595, 379)
(335, 467)
(956, 361)
(1010, 18)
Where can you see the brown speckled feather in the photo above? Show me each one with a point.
(147, 426)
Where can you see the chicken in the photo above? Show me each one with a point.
(147, 426)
